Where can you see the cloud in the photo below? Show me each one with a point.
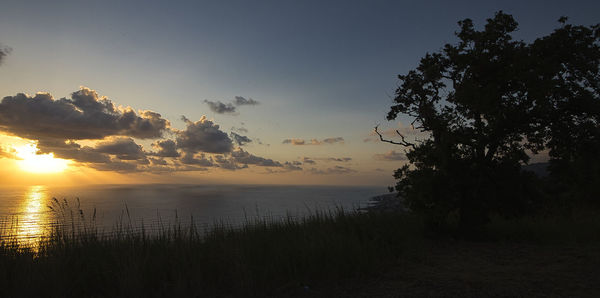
(307, 160)
(166, 148)
(293, 141)
(116, 166)
(203, 136)
(333, 140)
(293, 165)
(240, 129)
(313, 141)
(243, 157)
(158, 161)
(390, 155)
(190, 159)
(339, 159)
(219, 107)
(7, 152)
(228, 163)
(3, 52)
(241, 101)
(72, 151)
(83, 116)
(334, 170)
(124, 148)
(239, 139)
(311, 160)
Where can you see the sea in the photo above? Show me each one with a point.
(28, 213)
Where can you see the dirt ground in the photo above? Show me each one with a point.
(465, 269)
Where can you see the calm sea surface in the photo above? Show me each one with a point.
(24, 211)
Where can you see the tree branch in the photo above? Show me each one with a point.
(403, 142)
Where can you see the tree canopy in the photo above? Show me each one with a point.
(487, 103)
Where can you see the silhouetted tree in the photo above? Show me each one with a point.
(485, 102)
(567, 94)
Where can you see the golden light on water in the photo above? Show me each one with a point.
(32, 221)
(32, 162)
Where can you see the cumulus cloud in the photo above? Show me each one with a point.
(158, 161)
(203, 136)
(333, 170)
(390, 155)
(241, 101)
(73, 151)
(239, 139)
(83, 116)
(219, 107)
(202, 160)
(228, 163)
(124, 148)
(166, 148)
(313, 141)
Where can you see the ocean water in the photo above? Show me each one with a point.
(25, 212)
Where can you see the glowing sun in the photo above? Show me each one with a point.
(32, 162)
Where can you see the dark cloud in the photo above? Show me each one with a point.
(72, 151)
(3, 52)
(116, 166)
(166, 148)
(239, 139)
(293, 141)
(242, 157)
(241, 101)
(390, 155)
(228, 163)
(307, 160)
(84, 116)
(202, 160)
(313, 141)
(219, 107)
(203, 136)
(158, 161)
(292, 166)
(334, 170)
(124, 148)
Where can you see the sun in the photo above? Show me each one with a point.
(30, 161)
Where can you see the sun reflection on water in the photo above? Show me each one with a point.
(32, 221)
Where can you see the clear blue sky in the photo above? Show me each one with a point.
(318, 68)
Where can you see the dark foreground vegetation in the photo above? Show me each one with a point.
(326, 254)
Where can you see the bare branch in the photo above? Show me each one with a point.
(403, 142)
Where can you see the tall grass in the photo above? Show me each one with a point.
(262, 257)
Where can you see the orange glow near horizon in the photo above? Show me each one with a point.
(32, 162)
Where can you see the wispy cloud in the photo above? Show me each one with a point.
(390, 155)
(314, 141)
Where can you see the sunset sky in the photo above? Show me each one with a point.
(284, 92)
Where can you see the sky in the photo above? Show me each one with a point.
(261, 92)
